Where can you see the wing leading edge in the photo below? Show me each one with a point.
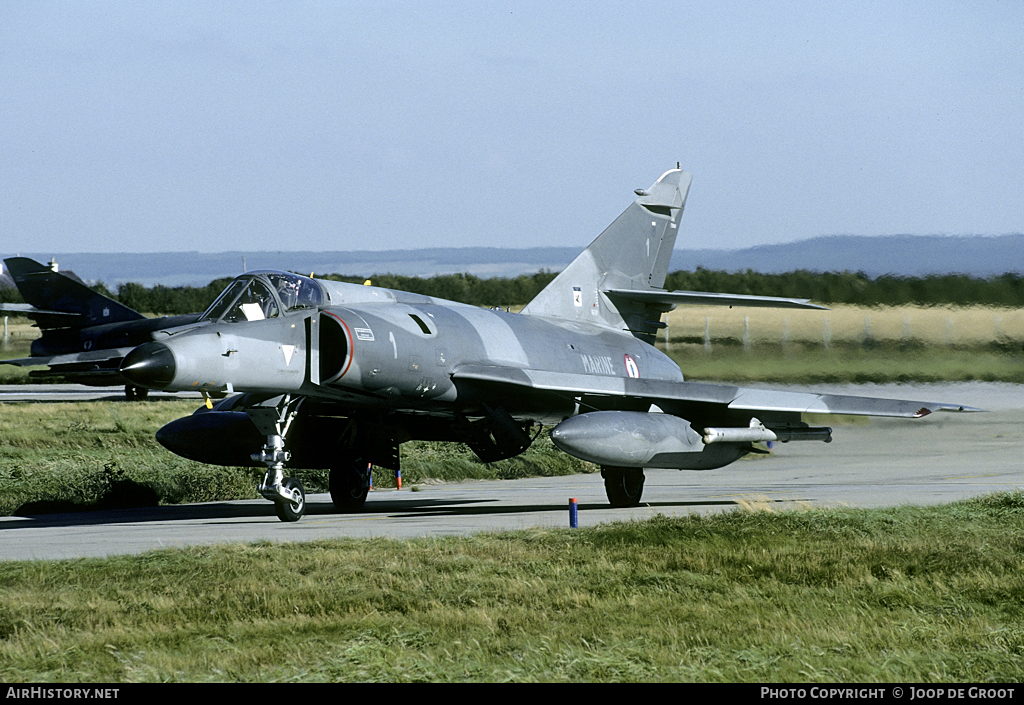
(732, 397)
(703, 298)
(91, 357)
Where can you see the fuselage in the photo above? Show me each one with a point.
(120, 334)
(371, 347)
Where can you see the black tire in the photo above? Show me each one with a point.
(291, 511)
(624, 486)
(349, 484)
(133, 393)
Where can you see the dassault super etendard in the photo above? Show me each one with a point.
(331, 375)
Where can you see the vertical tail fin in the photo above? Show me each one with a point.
(632, 253)
(48, 290)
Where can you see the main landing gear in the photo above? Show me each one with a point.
(623, 485)
(349, 483)
(134, 393)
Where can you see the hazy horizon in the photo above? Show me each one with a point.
(909, 255)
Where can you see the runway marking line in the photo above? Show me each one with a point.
(969, 477)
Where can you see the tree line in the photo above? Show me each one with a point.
(859, 289)
(821, 287)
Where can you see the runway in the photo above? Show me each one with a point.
(871, 463)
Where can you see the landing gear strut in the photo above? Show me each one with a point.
(287, 493)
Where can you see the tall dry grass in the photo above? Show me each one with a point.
(927, 325)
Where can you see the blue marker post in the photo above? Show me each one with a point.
(573, 522)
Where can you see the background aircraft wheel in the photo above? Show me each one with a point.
(291, 511)
(133, 393)
(349, 485)
(623, 485)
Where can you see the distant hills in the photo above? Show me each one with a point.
(903, 255)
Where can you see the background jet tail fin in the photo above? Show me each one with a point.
(53, 293)
(632, 253)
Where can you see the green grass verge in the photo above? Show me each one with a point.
(64, 456)
(69, 456)
(896, 595)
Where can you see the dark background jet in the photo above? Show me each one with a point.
(85, 334)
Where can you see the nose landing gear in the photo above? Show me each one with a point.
(287, 493)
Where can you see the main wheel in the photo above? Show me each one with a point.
(291, 510)
(349, 484)
(133, 393)
(623, 485)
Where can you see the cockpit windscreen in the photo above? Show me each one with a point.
(262, 295)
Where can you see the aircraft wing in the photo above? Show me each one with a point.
(30, 311)
(83, 360)
(732, 397)
(702, 298)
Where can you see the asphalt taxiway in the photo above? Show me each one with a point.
(870, 463)
(77, 392)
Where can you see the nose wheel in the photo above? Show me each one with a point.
(290, 504)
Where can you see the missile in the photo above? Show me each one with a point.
(755, 433)
(758, 433)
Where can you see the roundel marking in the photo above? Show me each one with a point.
(631, 369)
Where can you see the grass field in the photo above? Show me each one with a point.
(936, 326)
(19, 336)
(899, 595)
(71, 456)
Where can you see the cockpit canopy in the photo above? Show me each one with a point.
(264, 294)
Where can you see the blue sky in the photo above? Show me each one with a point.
(263, 126)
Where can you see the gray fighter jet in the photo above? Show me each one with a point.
(85, 334)
(338, 376)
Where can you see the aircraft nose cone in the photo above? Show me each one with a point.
(150, 365)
